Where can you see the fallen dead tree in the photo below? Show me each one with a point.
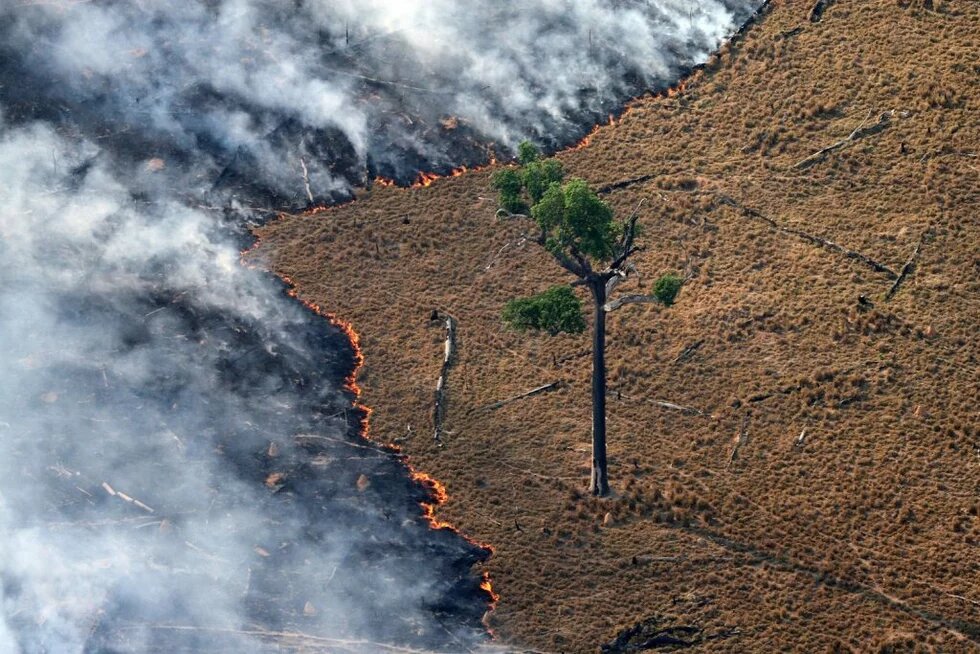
(534, 391)
(688, 351)
(686, 410)
(907, 268)
(813, 238)
(124, 497)
(741, 439)
(884, 120)
(449, 353)
(615, 186)
(293, 638)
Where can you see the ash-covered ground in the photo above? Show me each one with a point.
(183, 469)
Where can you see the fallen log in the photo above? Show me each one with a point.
(534, 391)
(615, 186)
(906, 269)
(449, 353)
(688, 351)
(293, 638)
(124, 497)
(686, 410)
(503, 214)
(884, 120)
(741, 439)
(813, 238)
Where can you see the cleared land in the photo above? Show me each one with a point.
(847, 520)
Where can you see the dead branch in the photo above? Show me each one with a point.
(906, 269)
(306, 179)
(619, 277)
(534, 391)
(743, 437)
(828, 244)
(884, 120)
(439, 407)
(609, 307)
(686, 410)
(800, 439)
(518, 243)
(532, 473)
(301, 438)
(960, 597)
(503, 214)
(688, 351)
(615, 186)
(124, 497)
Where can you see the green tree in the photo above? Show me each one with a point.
(579, 230)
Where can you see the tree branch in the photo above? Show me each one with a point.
(629, 235)
(570, 265)
(609, 307)
(582, 261)
(503, 214)
(619, 276)
(884, 120)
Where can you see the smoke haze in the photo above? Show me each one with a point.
(181, 468)
(238, 92)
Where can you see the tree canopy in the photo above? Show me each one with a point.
(579, 230)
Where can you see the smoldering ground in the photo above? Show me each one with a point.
(180, 466)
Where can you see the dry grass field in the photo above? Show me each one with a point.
(863, 534)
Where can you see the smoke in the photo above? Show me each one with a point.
(181, 469)
(146, 375)
(247, 93)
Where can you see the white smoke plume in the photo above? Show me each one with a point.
(145, 375)
(249, 88)
(179, 471)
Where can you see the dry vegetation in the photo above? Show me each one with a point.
(861, 535)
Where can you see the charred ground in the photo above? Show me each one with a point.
(819, 488)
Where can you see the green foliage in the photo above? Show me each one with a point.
(550, 211)
(585, 224)
(508, 182)
(556, 310)
(571, 217)
(527, 152)
(666, 288)
(538, 175)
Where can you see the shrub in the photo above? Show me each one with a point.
(666, 288)
(556, 310)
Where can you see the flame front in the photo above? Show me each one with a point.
(435, 489)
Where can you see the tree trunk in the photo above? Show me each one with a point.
(599, 484)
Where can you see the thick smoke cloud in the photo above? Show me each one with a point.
(145, 377)
(248, 92)
(180, 467)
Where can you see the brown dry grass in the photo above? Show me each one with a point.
(863, 539)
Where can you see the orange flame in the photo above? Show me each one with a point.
(669, 92)
(436, 490)
(487, 585)
(425, 179)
